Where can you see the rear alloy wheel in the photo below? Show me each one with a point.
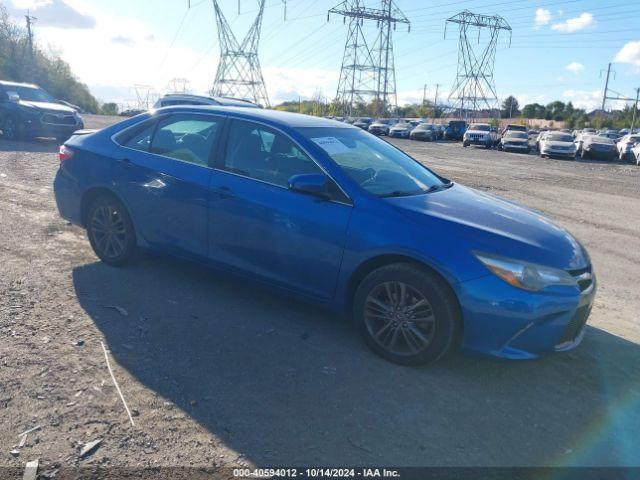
(111, 231)
(10, 130)
(406, 314)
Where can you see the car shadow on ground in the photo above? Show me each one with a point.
(285, 383)
(35, 145)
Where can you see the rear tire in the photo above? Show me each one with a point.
(407, 314)
(111, 232)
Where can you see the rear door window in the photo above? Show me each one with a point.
(189, 138)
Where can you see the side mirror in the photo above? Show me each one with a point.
(311, 184)
(13, 97)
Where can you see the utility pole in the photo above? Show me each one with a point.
(424, 99)
(435, 102)
(30, 21)
(606, 87)
(635, 109)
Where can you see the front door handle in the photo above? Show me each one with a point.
(224, 192)
(125, 162)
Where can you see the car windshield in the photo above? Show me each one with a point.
(364, 120)
(374, 164)
(559, 137)
(402, 125)
(425, 126)
(516, 135)
(383, 121)
(484, 128)
(30, 94)
(595, 139)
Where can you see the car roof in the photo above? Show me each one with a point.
(294, 120)
(6, 83)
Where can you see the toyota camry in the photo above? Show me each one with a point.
(332, 214)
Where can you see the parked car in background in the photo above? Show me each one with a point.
(625, 144)
(171, 99)
(334, 215)
(455, 130)
(380, 126)
(557, 144)
(610, 135)
(480, 134)
(635, 154)
(533, 132)
(441, 129)
(28, 111)
(595, 146)
(401, 130)
(515, 141)
(426, 132)
(539, 138)
(363, 122)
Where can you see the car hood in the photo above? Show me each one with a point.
(53, 107)
(485, 222)
(515, 140)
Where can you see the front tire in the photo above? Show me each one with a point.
(407, 314)
(11, 129)
(111, 231)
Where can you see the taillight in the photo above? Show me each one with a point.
(65, 153)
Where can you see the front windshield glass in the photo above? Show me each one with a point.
(559, 137)
(484, 128)
(30, 94)
(516, 135)
(403, 125)
(374, 164)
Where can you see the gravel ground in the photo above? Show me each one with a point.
(218, 374)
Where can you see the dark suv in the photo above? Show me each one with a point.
(455, 130)
(28, 111)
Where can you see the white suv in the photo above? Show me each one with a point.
(480, 134)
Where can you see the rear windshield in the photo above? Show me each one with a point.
(559, 137)
(601, 140)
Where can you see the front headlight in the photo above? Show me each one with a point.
(525, 275)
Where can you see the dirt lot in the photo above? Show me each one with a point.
(218, 372)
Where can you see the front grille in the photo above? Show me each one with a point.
(476, 136)
(58, 119)
(575, 325)
(584, 277)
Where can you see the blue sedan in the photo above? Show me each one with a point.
(332, 214)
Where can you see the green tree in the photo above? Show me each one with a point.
(109, 109)
(510, 107)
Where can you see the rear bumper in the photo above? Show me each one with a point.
(506, 322)
(68, 197)
(610, 155)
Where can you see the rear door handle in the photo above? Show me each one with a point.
(125, 162)
(224, 192)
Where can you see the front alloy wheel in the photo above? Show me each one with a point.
(399, 318)
(407, 314)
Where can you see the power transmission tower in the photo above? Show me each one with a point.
(178, 85)
(239, 74)
(368, 74)
(143, 96)
(474, 87)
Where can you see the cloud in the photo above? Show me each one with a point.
(123, 40)
(587, 99)
(571, 25)
(630, 53)
(575, 67)
(52, 13)
(543, 17)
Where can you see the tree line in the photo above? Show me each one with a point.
(21, 63)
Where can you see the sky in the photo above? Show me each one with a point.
(558, 49)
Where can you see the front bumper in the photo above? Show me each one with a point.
(399, 134)
(36, 128)
(552, 152)
(520, 147)
(506, 322)
(606, 154)
(477, 141)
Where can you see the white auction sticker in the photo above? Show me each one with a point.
(331, 145)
